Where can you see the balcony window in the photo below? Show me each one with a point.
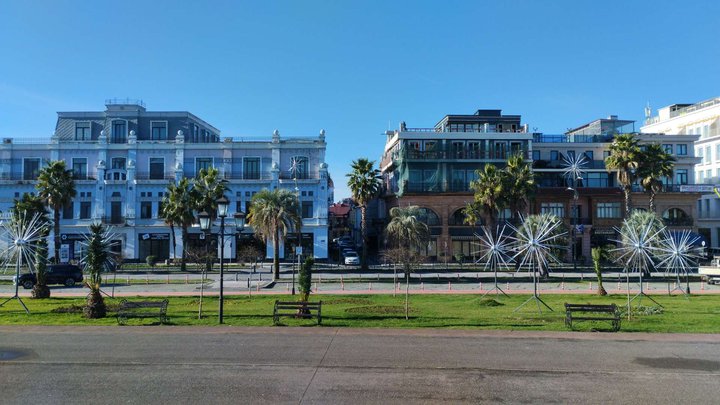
(307, 209)
(157, 168)
(682, 149)
(85, 209)
(82, 131)
(145, 209)
(608, 210)
(589, 155)
(668, 148)
(119, 131)
(68, 210)
(554, 155)
(300, 170)
(116, 212)
(554, 208)
(158, 130)
(597, 179)
(31, 168)
(536, 155)
(79, 168)
(202, 163)
(251, 168)
(118, 163)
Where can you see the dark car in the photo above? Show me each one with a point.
(67, 274)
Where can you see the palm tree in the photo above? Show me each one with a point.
(95, 260)
(624, 158)
(178, 211)
(57, 189)
(656, 164)
(364, 183)
(411, 236)
(519, 184)
(599, 254)
(489, 193)
(25, 210)
(273, 214)
(208, 187)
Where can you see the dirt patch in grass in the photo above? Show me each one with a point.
(350, 300)
(78, 309)
(489, 302)
(378, 310)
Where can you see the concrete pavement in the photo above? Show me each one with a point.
(328, 365)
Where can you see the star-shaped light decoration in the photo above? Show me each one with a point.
(677, 251)
(535, 240)
(23, 236)
(574, 167)
(294, 167)
(494, 248)
(638, 244)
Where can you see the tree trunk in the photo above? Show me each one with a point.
(363, 229)
(56, 229)
(276, 256)
(628, 200)
(651, 204)
(40, 291)
(174, 242)
(95, 306)
(183, 264)
(407, 295)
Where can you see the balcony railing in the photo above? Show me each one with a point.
(563, 138)
(678, 221)
(154, 176)
(436, 187)
(113, 220)
(447, 154)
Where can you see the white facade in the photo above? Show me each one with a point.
(703, 120)
(124, 158)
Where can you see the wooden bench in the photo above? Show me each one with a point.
(611, 310)
(297, 309)
(142, 309)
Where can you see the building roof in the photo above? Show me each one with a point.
(340, 210)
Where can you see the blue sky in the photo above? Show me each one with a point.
(354, 68)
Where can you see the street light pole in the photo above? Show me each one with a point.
(575, 221)
(222, 204)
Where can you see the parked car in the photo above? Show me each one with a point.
(66, 274)
(352, 258)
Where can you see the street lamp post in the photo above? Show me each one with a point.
(576, 219)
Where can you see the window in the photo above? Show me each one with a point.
(473, 150)
(589, 155)
(536, 155)
(67, 212)
(458, 147)
(708, 156)
(145, 209)
(682, 149)
(31, 168)
(118, 163)
(119, 131)
(195, 134)
(307, 209)
(668, 148)
(251, 168)
(606, 154)
(85, 210)
(608, 210)
(701, 176)
(300, 170)
(202, 163)
(157, 168)
(79, 168)
(116, 212)
(571, 155)
(82, 131)
(708, 175)
(597, 179)
(158, 130)
(554, 155)
(699, 153)
(555, 208)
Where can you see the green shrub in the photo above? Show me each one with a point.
(151, 260)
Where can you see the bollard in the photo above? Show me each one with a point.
(507, 287)
(458, 276)
(287, 287)
(481, 286)
(370, 286)
(128, 280)
(647, 285)
(438, 276)
(702, 285)
(168, 278)
(257, 287)
(618, 288)
(147, 279)
(562, 283)
(378, 277)
(236, 276)
(449, 286)
(316, 287)
(674, 285)
(186, 279)
(590, 287)
(582, 276)
(422, 286)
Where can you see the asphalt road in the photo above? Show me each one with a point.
(326, 365)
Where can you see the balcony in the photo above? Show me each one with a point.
(154, 176)
(113, 220)
(436, 187)
(678, 221)
(448, 154)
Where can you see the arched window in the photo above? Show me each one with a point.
(676, 217)
(458, 218)
(428, 217)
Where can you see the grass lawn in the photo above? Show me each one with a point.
(698, 314)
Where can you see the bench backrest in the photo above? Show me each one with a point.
(298, 304)
(143, 304)
(591, 307)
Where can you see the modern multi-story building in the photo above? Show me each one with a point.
(124, 157)
(702, 122)
(601, 204)
(433, 167)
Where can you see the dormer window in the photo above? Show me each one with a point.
(158, 130)
(82, 131)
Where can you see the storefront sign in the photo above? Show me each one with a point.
(696, 188)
